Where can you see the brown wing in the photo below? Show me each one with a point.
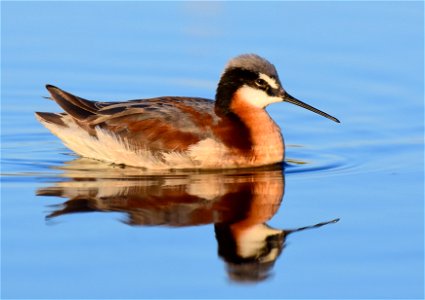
(164, 123)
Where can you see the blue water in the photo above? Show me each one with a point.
(73, 228)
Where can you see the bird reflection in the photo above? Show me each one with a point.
(237, 202)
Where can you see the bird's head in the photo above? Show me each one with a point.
(253, 81)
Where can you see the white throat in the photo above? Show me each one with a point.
(256, 97)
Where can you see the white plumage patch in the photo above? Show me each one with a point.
(272, 82)
(256, 97)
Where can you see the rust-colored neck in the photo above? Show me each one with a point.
(267, 141)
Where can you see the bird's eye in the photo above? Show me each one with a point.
(261, 82)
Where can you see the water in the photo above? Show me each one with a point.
(73, 228)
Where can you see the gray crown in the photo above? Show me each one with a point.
(252, 62)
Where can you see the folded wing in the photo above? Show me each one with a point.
(157, 124)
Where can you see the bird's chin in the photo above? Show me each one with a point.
(255, 98)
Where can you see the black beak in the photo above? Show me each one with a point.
(288, 98)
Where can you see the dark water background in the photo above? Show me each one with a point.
(98, 231)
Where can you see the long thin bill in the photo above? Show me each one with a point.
(290, 99)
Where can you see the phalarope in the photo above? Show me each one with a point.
(234, 131)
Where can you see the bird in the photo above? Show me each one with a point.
(174, 132)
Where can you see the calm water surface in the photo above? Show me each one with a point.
(76, 228)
